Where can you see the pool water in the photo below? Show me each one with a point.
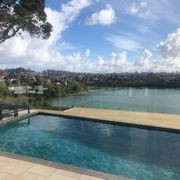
(126, 151)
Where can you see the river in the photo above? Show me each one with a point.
(131, 99)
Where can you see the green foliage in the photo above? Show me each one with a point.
(63, 90)
(24, 15)
(4, 90)
(38, 102)
(4, 93)
(20, 99)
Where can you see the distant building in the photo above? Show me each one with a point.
(27, 90)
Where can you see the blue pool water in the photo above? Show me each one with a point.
(126, 151)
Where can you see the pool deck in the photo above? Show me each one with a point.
(17, 169)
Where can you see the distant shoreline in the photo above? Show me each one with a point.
(112, 88)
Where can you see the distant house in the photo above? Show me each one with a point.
(27, 90)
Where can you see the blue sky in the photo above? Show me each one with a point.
(145, 30)
(102, 36)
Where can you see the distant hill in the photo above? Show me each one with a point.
(146, 79)
(19, 70)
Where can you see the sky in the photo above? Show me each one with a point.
(102, 36)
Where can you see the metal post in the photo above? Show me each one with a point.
(27, 94)
(59, 96)
(0, 114)
(156, 101)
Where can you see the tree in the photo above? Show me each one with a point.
(23, 15)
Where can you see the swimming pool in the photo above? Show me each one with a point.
(116, 149)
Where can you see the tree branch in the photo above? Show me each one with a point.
(6, 36)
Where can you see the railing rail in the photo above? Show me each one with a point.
(6, 108)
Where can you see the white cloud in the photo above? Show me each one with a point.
(144, 63)
(42, 58)
(154, 10)
(103, 17)
(133, 8)
(171, 46)
(37, 53)
(124, 42)
(61, 19)
(73, 8)
(143, 4)
(119, 62)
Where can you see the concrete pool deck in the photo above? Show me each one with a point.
(17, 169)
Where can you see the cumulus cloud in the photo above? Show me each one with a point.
(81, 62)
(103, 17)
(167, 61)
(171, 46)
(144, 63)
